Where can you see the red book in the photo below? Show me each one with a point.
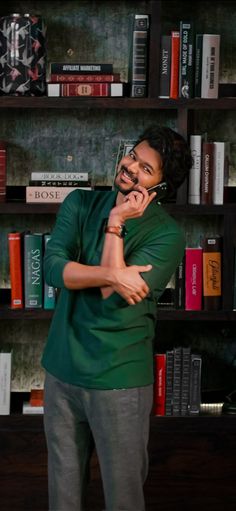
(16, 277)
(54, 78)
(159, 384)
(174, 66)
(207, 171)
(101, 89)
(193, 278)
(3, 171)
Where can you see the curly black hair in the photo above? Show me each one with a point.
(174, 151)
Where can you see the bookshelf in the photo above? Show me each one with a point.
(29, 123)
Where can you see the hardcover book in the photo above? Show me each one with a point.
(210, 65)
(160, 384)
(165, 63)
(33, 270)
(3, 171)
(198, 66)
(80, 67)
(194, 184)
(212, 272)
(5, 382)
(16, 269)
(49, 292)
(207, 170)
(185, 381)
(218, 173)
(51, 194)
(77, 184)
(138, 70)
(60, 176)
(177, 375)
(54, 78)
(195, 384)
(193, 278)
(186, 60)
(179, 294)
(174, 65)
(102, 89)
(169, 382)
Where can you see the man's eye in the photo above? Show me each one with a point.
(146, 169)
(131, 155)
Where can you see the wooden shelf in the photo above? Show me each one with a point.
(7, 313)
(178, 209)
(119, 103)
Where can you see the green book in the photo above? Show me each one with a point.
(49, 292)
(33, 270)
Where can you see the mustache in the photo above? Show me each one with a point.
(133, 178)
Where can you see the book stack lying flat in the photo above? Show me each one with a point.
(53, 187)
(97, 80)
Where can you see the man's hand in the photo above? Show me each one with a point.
(129, 284)
(133, 205)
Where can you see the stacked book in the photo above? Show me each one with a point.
(53, 187)
(82, 79)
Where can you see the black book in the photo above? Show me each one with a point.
(80, 67)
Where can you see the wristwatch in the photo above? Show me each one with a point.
(118, 230)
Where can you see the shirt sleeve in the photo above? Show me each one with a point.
(164, 252)
(64, 245)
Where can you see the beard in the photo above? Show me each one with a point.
(119, 185)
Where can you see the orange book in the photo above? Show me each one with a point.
(15, 263)
(174, 67)
(36, 397)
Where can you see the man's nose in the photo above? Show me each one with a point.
(133, 166)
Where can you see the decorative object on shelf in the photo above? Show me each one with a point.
(22, 55)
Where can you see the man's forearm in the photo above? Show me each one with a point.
(80, 276)
(113, 248)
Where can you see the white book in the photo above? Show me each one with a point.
(218, 172)
(28, 409)
(194, 187)
(59, 176)
(50, 194)
(5, 383)
(210, 65)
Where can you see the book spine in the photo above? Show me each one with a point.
(174, 66)
(186, 60)
(102, 89)
(194, 186)
(169, 382)
(207, 166)
(3, 172)
(5, 383)
(212, 272)
(33, 270)
(234, 282)
(193, 278)
(139, 57)
(179, 300)
(49, 292)
(83, 68)
(210, 65)
(198, 66)
(165, 60)
(160, 383)
(195, 384)
(15, 264)
(177, 381)
(185, 380)
(60, 176)
(115, 77)
(218, 173)
(49, 194)
(37, 182)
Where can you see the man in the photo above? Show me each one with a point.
(112, 254)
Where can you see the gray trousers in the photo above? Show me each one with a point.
(117, 421)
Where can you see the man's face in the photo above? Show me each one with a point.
(142, 166)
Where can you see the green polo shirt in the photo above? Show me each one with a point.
(106, 343)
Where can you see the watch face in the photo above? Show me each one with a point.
(123, 231)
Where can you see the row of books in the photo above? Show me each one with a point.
(189, 63)
(55, 187)
(209, 173)
(197, 282)
(28, 287)
(177, 384)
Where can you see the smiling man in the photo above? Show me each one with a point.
(112, 254)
